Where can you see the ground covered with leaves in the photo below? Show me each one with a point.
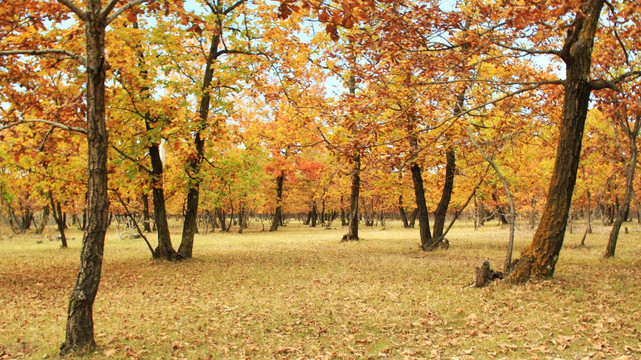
(300, 293)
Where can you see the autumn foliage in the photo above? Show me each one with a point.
(225, 114)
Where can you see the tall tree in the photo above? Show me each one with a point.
(220, 12)
(79, 330)
(630, 124)
(539, 259)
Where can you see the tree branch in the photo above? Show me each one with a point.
(49, 122)
(598, 84)
(530, 51)
(124, 8)
(233, 6)
(44, 140)
(108, 8)
(459, 211)
(133, 219)
(71, 54)
(76, 10)
(135, 161)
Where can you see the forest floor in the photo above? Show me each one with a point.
(300, 293)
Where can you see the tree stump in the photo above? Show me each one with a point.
(485, 275)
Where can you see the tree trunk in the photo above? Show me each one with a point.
(401, 210)
(448, 186)
(56, 210)
(313, 215)
(539, 259)
(352, 233)
(278, 214)
(622, 210)
(145, 213)
(510, 246)
(636, 205)
(412, 219)
(423, 215)
(79, 334)
(40, 228)
(25, 221)
(450, 168)
(164, 250)
(189, 226)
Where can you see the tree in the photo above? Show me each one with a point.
(630, 124)
(539, 259)
(220, 14)
(79, 330)
(143, 117)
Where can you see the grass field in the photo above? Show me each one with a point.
(301, 294)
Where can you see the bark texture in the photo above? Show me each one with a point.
(539, 259)
(79, 335)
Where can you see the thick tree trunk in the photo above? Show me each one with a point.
(278, 214)
(79, 334)
(448, 186)
(423, 215)
(539, 259)
(352, 233)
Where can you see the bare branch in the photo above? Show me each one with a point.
(124, 8)
(71, 54)
(48, 122)
(233, 6)
(530, 51)
(76, 10)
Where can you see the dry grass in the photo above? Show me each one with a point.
(299, 293)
